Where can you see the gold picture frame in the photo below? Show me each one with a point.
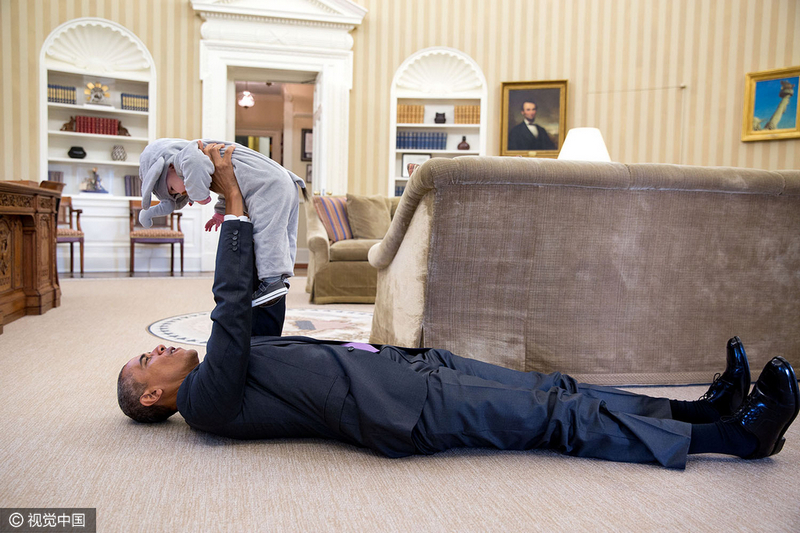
(546, 102)
(770, 105)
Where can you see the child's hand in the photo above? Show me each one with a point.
(214, 222)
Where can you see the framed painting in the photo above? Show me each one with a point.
(533, 118)
(412, 159)
(770, 105)
(306, 142)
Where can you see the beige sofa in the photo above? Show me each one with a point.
(339, 272)
(614, 273)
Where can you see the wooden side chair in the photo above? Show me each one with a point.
(69, 230)
(163, 231)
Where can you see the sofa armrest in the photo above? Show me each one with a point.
(317, 237)
(420, 184)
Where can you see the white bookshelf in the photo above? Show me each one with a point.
(117, 59)
(87, 50)
(437, 79)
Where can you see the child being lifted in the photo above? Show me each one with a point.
(178, 172)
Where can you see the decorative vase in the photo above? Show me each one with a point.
(440, 118)
(77, 152)
(118, 153)
(463, 145)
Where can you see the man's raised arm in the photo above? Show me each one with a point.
(217, 387)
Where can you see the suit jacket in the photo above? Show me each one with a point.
(521, 138)
(275, 387)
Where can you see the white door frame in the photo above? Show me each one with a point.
(314, 40)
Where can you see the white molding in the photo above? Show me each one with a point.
(98, 46)
(342, 14)
(440, 71)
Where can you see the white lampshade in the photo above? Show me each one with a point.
(246, 100)
(584, 144)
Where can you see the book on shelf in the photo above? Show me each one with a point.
(55, 175)
(135, 102)
(398, 190)
(410, 114)
(60, 94)
(421, 140)
(96, 125)
(133, 186)
(467, 114)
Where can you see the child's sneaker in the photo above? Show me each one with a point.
(269, 293)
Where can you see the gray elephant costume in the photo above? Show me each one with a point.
(269, 191)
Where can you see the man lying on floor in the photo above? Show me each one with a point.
(402, 401)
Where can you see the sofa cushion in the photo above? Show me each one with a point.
(352, 249)
(332, 211)
(369, 216)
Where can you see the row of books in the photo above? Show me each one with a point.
(55, 175)
(60, 94)
(410, 114)
(133, 185)
(135, 102)
(468, 114)
(421, 140)
(102, 126)
(398, 190)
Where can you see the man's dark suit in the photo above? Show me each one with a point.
(521, 138)
(400, 401)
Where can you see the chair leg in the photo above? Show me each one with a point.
(131, 273)
(172, 259)
(181, 258)
(81, 246)
(71, 258)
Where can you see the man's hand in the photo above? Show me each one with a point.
(223, 180)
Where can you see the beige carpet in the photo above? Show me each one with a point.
(64, 443)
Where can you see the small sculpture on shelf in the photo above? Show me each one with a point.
(93, 183)
(69, 126)
(97, 93)
(463, 145)
(440, 118)
(118, 153)
(123, 131)
(77, 152)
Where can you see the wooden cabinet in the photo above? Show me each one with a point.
(28, 278)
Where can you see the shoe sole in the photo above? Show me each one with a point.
(267, 298)
(780, 442)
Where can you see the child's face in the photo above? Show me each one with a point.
(174, 182)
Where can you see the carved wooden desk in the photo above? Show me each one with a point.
(28, 278)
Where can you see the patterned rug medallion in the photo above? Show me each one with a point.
(334, 324)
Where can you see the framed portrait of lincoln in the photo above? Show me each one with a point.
(533, 118)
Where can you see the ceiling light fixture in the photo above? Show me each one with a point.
(247, 99)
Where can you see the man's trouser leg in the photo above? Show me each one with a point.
(473, 404)
(267, 321)
(615, 399)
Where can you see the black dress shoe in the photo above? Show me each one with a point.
(729, 390)
(771, 408)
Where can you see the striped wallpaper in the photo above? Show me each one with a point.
(663, 79)
(169, 29)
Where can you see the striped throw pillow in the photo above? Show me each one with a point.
(332, 211)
